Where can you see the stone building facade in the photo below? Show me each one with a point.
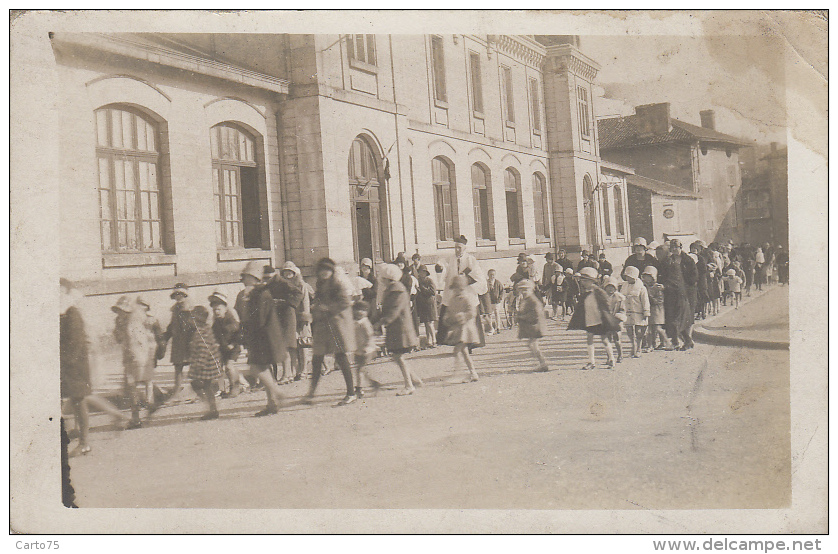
(764, 194)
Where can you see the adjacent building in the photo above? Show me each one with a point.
(764, 194)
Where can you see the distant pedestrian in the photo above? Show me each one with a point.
(205, 361)
(760, 269)
(586, 261)
(678, 276)
(460, 320)
(782, 258)
(287, 290)
(605, 268)
(617, 308)
(640, 257)
(657, 311)
(571, 292)
(401, 337)
(638, 309)
(531, 321)
(426, 304)
(365, 347)
(496, 293)
(462, 263)
(733, 287)
(593, 316)
(714, 288)
(548, 282)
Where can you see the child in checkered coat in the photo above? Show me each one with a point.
(205, 360)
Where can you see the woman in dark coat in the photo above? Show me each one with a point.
(286, 288)
(333, 327)
(678, 276)
(426, 303)
(401, 336)
(262, 335)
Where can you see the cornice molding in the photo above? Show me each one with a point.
(567, 58)
(519, 47)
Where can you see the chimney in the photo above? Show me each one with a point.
(653, 119)
(708, 119)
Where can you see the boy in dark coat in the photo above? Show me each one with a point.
(226, 328)
(401, 336)
(179, 331)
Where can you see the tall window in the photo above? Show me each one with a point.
(618, 211)
(235, 188)
(540, 202)
(129, 181)
(584, 117)
(514, 207)
(361, 48)
(476, 82)
(438, 58)
(445, 199)
(482, 193)
(535, 101)
(506, 84)
(606, 210)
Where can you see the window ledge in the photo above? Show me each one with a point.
(486, 242)
(510, 124)
(536, 132)
(515, 240)
(441, 103)
(543, 240)
(478, 115)
(234, 255)
(363, 66)
(133, 259)
(445, 244)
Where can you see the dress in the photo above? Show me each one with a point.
(287, 295)
(204, 355)
(426, 300)
(139, 346)
(461, 321)
(74, 361)
(261, 331)
(531, 321)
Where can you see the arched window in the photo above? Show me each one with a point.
(130, 203)
(618, 211)
(235, 185)
(445, 199)
(514, 205)
(481, 182)
(541, 205)
(367, 193)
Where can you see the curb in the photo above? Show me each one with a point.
(702, 334)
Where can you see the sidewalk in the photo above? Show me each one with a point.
(760, 322)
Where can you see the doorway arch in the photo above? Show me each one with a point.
(368, 197)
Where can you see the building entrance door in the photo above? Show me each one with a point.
(367, 196)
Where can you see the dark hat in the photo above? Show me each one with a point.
(268, 270)
(180, 290)
(326, 263)
(423, 269)
(416, 256)
(461, 239)
(438, 268)
(200, 313)
(522, 257)
(549, 256)
(400, 259)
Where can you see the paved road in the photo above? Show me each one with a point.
(763, 318)
(708, 428)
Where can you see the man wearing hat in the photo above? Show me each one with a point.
(465, 264)
(639, 257)
(179, 331)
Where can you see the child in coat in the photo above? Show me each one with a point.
(531, 321)
(180, 332)
(396, 316)
(656, 310)
(204, 361)
(714, 288)
(226, 328)
(616, 306)
(138, 352)
(365, 347)
(592, 315)
(637, 308)
(571, 292)
(733, 287)
(495, 291)
(460, 320)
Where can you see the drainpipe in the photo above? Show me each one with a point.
(398, 144)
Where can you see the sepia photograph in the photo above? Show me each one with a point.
(553, 270)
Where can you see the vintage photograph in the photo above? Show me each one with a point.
(296, 269)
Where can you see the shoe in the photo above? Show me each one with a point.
(347, 400)
(79, 451)
(298, 377)
(619, 358)
(405, 392)
(209, 416)
(417, 382)
(609, 364)
(134, 424)
(359, 392)
(308, 400)
(542, 369)
(635, 355)
(471, 379)
(588, 366)
(270, 410)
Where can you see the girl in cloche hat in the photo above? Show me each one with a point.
(593, 315)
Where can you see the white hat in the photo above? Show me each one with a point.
(651, 270)
(612, 280)
(391, 272)
(254, 269)
(731, 272)
(639, 241)
(632, 272)
(588, 273)
(569, 271)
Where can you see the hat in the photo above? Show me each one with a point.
(639, 241)
(423, 269)
(612, 280)
(268, 269)
(290, 266)
(731, 272)
(632, 272)
(438, 268)
(217, 297)
(142, 302)
(366, 262)
(326, 263)
(651, 270)
(400, 259)
(122, 305)
(653, 245)
(180, 289)
(391, 272)
(253, 269)
(588, 273)
(569, 271)
(522, 257)
(461, 239)
(675, 242)
(416, 256)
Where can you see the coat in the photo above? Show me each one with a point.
(678, 278)
(460, 321)
(636, 303)
(426, 300)
(531, 321)
(204, 355)
(657, 315)
(287, 295)
(332, 328)
(465, 265)
(227, 332)
(577, 321)
(180, 331)
(74, 360)
(261, 331)
(139, 346)
(395, 315)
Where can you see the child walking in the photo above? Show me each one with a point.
(714, 288)
(656, 310)
(460, 320)
(365, 347)
(495, 291)
(401, 336)
(593, 316)
(204, 361)
(616, 306)
(138, 353)
(571, 292)
(531, 321)
(733, 287)
(637, 308)
(226, 328)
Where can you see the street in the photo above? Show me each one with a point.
(707, 428)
